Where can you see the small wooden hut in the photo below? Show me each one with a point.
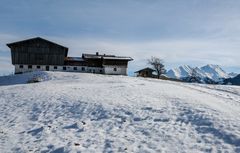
(146, 72)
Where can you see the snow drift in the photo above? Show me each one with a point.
(73, 112)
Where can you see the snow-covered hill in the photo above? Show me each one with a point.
(71, 112)
(214, 72)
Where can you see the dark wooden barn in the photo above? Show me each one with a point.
(37, 51)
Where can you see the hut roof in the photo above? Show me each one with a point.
(104, 56)
(145, 69)
(79, 59)
(36, 38)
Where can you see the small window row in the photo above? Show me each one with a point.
(74, 68)
(55, 68)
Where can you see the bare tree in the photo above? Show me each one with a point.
(193, 76)
(193, 73)
(158, 65)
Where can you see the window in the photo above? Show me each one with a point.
(21, 66)
(47, 68)
(38, 67)
(83, 68)
(55, 67)
(115, 69)
(30, 66)
(64, 68)
(75, 68)
(93, 71)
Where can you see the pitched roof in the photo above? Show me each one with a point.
(145, 69)
(78, 59)
(118, 58)
(36, 38)
(104, 56)
(91, 56)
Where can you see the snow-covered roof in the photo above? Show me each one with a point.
(91, 56)
(74, 59)
(118, 58)
(104, 56)
(36, 38)
(147, 68)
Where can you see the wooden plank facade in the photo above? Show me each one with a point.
(37, 51)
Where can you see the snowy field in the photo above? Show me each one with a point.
(72, 112)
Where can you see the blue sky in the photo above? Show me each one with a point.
(191, 32)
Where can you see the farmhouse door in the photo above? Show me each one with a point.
(47, 68)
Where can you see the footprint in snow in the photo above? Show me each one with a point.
(161, 120)
(137, 119)
(147, 108)
(58, 150)
(35, 131)
(74, 126)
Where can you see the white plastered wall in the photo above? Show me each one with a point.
(58, 68)
(116, 70)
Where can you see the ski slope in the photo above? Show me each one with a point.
(77, 112)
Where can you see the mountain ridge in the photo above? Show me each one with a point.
(233, 81)
(210, 71)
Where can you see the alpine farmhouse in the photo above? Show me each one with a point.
(38, 54)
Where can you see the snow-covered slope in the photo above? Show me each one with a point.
(23, 78)
(210, 71)
(71, 112)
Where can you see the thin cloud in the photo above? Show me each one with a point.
(190, 32)
(177, 50)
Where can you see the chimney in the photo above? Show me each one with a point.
(97, 53)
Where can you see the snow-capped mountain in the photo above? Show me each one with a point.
(180, 72)
(214, 72)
